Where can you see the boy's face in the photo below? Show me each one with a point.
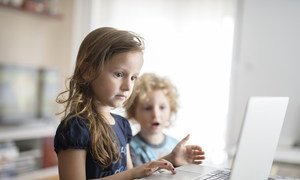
(115, 83)
(154, 112)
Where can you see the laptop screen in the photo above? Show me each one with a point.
(259, 137)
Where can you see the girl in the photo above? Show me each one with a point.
(154, 103)
(91, 142)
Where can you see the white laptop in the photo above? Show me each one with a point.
(264, 117)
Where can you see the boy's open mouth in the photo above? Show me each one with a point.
(155, 124)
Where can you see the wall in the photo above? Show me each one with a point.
(266, 61)
(37, 40)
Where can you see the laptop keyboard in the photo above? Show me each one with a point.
(217, 174)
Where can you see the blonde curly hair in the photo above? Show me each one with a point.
(149, 82)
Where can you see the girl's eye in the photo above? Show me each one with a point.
(119, 74)
(162, 107)
(147, 108)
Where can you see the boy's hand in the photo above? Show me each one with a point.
(186, 154)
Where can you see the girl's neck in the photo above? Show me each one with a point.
(109, 119)
(152, 138)
(105, 112)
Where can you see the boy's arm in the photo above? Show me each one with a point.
(185, 154)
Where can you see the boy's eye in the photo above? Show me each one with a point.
(133, 78)
(162, 107)
(119, 74)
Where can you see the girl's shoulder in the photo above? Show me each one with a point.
(117, 116)
(73, 134)
(122, 121)
(74, 123)
(122, 127)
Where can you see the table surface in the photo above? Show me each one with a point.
(188, 172)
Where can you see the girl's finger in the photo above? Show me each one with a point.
(163, 164)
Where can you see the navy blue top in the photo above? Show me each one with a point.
(76, 135)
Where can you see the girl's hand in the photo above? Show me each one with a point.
(186, 154)
(149, 168)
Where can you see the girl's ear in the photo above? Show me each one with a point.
(84, 71)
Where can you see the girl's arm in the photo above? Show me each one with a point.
(129, 160)
(71, 164)
(142, 170)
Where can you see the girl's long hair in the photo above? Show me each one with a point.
(97, 48)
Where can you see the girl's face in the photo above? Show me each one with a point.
(114, 84)
(154, 113)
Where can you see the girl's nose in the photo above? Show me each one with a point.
(126, 84)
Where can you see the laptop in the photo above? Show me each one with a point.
(263, 120)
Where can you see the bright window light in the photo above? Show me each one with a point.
(191, 43)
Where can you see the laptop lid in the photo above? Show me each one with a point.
(257, 144)
(259, 137)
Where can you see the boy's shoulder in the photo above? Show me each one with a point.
(171, 140)
(137, 142)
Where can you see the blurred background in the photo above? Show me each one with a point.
(217, 52)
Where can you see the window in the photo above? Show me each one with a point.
(191, 43)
